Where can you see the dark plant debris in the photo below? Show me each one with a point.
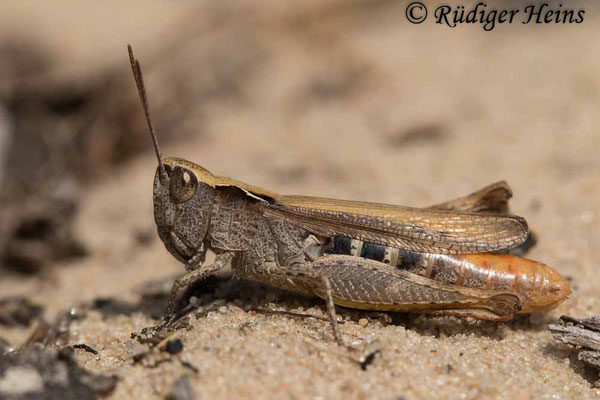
(18, 311)
(57, 333)
(49, 373)
(584, 334)
(368, 359)
(85, 347)
(41, 235)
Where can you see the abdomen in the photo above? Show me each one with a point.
(540, 287)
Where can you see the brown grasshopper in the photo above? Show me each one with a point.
(370, 256)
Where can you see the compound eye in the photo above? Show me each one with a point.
(184, 185)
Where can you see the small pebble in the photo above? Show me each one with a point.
(173, 346)
(223, 310)
(363, 322)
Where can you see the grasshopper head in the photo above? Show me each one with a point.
(182, 199)
(182, 207)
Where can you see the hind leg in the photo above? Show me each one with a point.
(371, 285)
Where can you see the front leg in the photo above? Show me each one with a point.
(154, 333)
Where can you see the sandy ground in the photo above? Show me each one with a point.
(363, 106)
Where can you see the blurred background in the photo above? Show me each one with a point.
(328, 98)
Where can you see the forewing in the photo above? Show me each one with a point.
(422, 230)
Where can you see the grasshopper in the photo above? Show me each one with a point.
(439, 260)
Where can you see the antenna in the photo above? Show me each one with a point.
(139, 81)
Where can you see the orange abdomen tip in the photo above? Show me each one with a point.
(540, 286)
